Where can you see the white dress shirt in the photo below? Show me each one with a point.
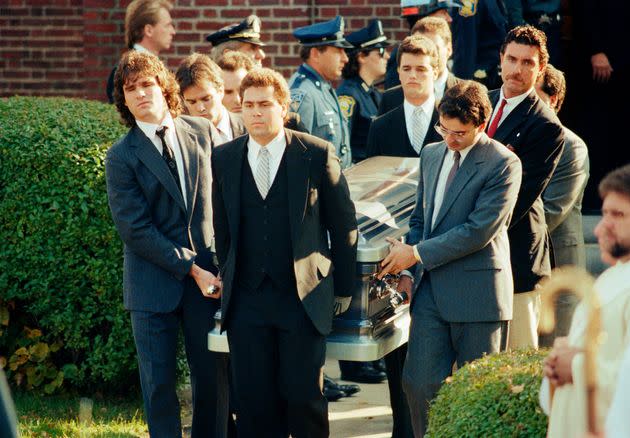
(225, 126)
(276, 149)
(439, 86)
(427, 111)
(447, 164)
(150, 129)
(511, 103)
(141, 49)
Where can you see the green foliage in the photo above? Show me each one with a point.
(496, 396)
(60, 258)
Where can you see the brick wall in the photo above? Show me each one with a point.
(68, 47)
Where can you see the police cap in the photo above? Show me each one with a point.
(247, 31)
(422, 8)
(370, 37)
(327, 33)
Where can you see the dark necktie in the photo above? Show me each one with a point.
(451, 174)
(495, 122)
(168, 156)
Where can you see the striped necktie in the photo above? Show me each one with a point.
(419, 128)
(263, 173)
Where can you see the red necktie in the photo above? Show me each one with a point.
(495, 122)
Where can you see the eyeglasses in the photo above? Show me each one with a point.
(381, 51)
(458, 135)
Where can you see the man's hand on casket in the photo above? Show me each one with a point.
(341, 305)
(401, 256)
(405, 284)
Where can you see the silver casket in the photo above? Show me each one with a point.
(383, 190)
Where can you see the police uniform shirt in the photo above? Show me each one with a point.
(149, 129)
(427, 110)
(314, 99)
(359, 104)
(511, 103)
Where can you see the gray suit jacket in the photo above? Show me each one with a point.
(563, 202)
(467, 251)
(162, 237)
(322, 218)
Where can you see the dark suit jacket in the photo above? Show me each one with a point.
(535, 134)
(466, 250)
(388, 135)
(319, 207)
(563, 202)
(394, 96)
(162, 236)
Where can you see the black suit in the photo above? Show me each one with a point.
(277, 321)
(388, 135)
(163, 236)
(394, 96)
(535, 134)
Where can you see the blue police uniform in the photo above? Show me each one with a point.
(313, 97)
(478, 32)
(359, 101)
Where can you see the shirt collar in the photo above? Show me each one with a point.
(313, 72)
(150, 128)
(225, 125)
(140, 48)
(514, 101)
(275, 147)
(462, 152)
(440, 82)
(427, 106)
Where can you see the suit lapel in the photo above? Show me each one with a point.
(190, 153)
(406, 149)
(236, 123)
(232, 184)
(463, 175)
(515, 118)
(146, 152)
(298, 164)
(431, 165)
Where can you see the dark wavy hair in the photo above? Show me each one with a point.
(467, 101)
(352, 67)
(196, 68)
(554, 84)
(134, 64)
(528, 36)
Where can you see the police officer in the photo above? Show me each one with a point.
(242, 37)
(479, 30)
(412, 11)
(312, 95)
(358, 99)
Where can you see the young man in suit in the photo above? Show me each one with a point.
(438, 31)
(201, 87)
(283, 219)
(158, 185)
(562, 200)
(405, 130)
(466, 193)
(527, 126)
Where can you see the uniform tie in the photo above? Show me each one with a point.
(497, 118)
(168, 156)
(262, 177)
(419, 128)
(453, 171)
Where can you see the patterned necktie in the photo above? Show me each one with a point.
(419, 128)
(168, 156)
(262, 177)
(497, 118)
(453, 171)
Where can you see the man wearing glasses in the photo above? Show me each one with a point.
(458, 239)
(405, 130)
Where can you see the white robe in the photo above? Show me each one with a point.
(618, 420)
(568, 411)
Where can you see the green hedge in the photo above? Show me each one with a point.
(61, 314)
(496, 396)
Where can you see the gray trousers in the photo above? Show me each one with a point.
(435, 345)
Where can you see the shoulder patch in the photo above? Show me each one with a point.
(469, 8)
(347, 105)
(297, 96)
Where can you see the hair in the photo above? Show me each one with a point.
(139, 14)
(233, 61)
(196, 68)
(421, 46)
(230, 46)
(553, 83)
(305, 51)
(528, 36)
(467, 101)
(436, 25)
(617, 181)
(266, 77)
(352, 67)
(134, 64)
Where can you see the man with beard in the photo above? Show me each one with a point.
(565, 364)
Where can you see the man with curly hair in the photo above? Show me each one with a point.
(158, 185)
